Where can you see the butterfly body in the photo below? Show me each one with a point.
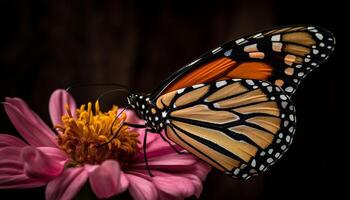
(231, 107)
(154, 118)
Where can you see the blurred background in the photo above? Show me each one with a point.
(45, 45)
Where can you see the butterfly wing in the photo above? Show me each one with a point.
(240, 127)
(282, 56)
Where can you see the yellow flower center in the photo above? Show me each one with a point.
(81, 137)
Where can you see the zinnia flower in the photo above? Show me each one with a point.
(66, 160)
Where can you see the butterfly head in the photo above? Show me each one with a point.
(147, 111)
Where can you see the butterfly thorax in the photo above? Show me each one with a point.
(153, 117)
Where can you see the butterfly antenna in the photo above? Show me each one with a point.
(69, 88)
(111, 129)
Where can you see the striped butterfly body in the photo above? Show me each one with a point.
(231, 107)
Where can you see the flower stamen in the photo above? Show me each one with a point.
(81, 136)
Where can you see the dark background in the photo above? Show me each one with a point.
(46, 45)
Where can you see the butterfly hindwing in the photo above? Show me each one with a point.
(282, 56)
(240, 127)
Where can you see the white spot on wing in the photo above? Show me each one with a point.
(269, 88)
(253, 164)
(194, 62)
(283, 97)
(269, 160)
(276, 38)
(216, 50)
(277, 155)
(216, 105)
(288, 138)
(240, 41)
(284, 104)
(291, 117)
(319, 36)
(265, 84)
(220, 83)
(228, 53)
(249, 82)
(259, 35)
(261, 167)
(197, 86)
(180, 90)
(289, 89)
(291, 129)
(283, 147)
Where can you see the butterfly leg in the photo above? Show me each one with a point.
(145, 152)
(171, 145)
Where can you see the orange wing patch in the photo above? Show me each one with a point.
(251, 70)
(204, 74)
(222, 69)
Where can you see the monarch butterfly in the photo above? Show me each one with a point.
(231, 107)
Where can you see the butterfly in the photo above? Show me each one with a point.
(232, 107)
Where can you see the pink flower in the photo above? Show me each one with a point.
(47, 159)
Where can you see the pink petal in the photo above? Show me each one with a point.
(172, 159)
(9, 140)
(158, 143)
(28, 124)
(132, 117)
(105, 180)
(27, 112)
(10, 159)
(67, 185)
(173, 185)
(40, 166)
(20, 181)
(196, 182)
(57, 103)
(11, 170)
(11, 153)
(124, 182)
(54, 153)
(141, 188)
(201, 169)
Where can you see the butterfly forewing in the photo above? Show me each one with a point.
(282, 56)
(240, 127)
